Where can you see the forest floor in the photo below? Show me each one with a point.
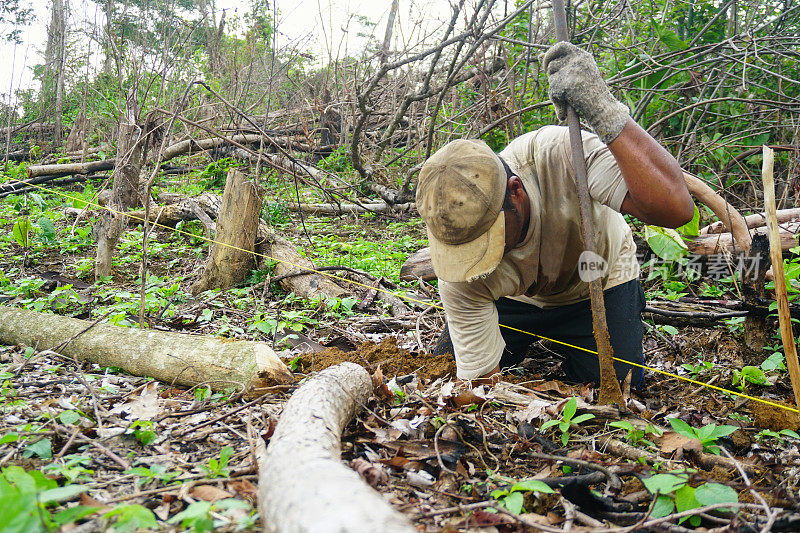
(111, 449)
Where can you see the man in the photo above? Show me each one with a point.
(504, 231)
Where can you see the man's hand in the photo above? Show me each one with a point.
(576, 80)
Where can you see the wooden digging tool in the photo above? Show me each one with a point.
(610, 391)
(776, 256)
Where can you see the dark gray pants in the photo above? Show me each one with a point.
(573, 324)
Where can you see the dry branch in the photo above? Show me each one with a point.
(67, 169)
(333, 209)
(303, 485)
(186, 360)
(756, 221)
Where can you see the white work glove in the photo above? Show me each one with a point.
(576, 80)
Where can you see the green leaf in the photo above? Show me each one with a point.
(722, 431)
(547, 425)
(68, 417)
(48, 231)
(40, 448)
(67, 516)
(61, 493)
(691, 228)
(513, 502)
(21, 231)
(582, 418)
(664, 483)
(531, 485)
(666, 243)
(682, 427)
(663, 507)
(685, 500)
(672, 330)
(570, 408)
(133, 517)
(713, 493)
(754, 375)
(225, 455)
(499, 493)
(775, 361)
(622, 424)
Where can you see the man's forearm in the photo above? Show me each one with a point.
(657, 193)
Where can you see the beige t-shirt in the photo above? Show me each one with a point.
(543, 269)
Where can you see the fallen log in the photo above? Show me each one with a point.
(68, 169)
(711, 244)
(333, 209)
(173, 358)
(22, 189)
(302, 484)
(755, 221)
(728, 215)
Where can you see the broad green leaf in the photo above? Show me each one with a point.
(41, 448)
(61, 493)
(231, 503)
(691, 228)
(664, 506)
(685, 500)
(532, 484)
(775, 361)
(666, 243)
(682, 427)
(68, 417)
(48, 230)
(754, 375)
(499, 493)
(664, 483)
(722, 431)
(513, 502)
(570, 408)
(21, 232)
(19, 514)
(582, 418)
(547, 425)
(790, 433)
(132, 518)
(622, 424)
(713, 493)
(72, 514)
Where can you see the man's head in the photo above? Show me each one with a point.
(461, 195)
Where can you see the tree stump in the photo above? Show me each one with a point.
(237, 227)
(124, 195)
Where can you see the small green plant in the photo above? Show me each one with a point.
(777, 435)
(155, 472)
(219, 467)
(132, 518)
(748, 374)
(707, 435)
(513, 498)
(774, 362)
(72, 468)
(675, 494)
(567, 420)
(143, 431)
(200, 516)
(700, 368)
(636, 436)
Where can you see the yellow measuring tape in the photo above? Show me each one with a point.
(410, 299)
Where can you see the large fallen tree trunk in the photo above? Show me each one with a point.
(711, 243)
(186, 360)
(302, 484)
(755, 221)
(67, 169)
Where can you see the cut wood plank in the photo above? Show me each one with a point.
(302, 484)
(173, 358)
(784, 317)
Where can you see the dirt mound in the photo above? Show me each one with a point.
(394, 361)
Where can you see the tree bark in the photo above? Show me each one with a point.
(333, 209)
(67, 169)
(130, 153)
(77, 135)
(53, 78)
(237, 226)
(185, 360)
(303, 485)
(756, 221)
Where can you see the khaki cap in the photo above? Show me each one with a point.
(460, 196)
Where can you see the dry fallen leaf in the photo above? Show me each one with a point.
(209, 493)
(671, 441)
(372, 473)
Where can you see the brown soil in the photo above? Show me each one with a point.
(774, 418)
(394, 361)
